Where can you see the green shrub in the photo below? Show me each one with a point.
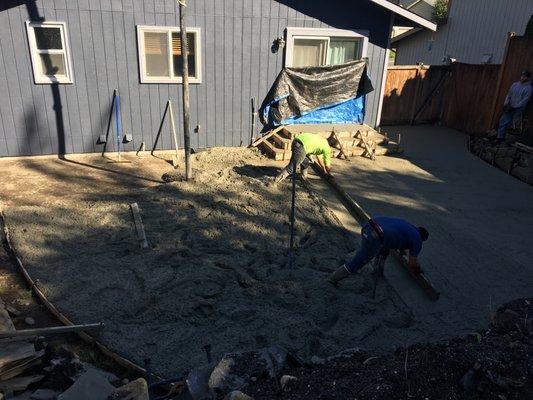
(440, 11)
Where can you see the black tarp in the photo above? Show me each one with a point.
(299, 91)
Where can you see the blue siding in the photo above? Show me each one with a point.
(237, 64)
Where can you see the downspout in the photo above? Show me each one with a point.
(385, 71)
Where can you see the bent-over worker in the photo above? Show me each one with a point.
(305, 145)
(379, 235)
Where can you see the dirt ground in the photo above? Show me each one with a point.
(216, 271)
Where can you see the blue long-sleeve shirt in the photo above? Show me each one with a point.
(519, 94)
(400, 234)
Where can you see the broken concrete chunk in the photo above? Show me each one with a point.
(13, 311)
(29, 321)
(90, 386)
(44, 394)
(237, 395)
(235, 370)
(135, 390)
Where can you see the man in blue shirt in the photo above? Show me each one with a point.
(381, 234)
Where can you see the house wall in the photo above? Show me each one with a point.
(474, 28)
(237, 64)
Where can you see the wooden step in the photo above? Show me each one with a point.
(274, 152)
(281, 142)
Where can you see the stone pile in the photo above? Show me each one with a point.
(514, 158)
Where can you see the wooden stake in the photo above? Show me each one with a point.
(185, 86)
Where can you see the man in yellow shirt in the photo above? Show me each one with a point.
(305, 145)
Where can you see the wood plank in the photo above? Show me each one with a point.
(141, 235)
(362, 217)
(22, 366)
(263, 138)
(17, 384)
(13, 352)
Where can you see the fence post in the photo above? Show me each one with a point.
(499, 82)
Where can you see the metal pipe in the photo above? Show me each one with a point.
(50, 331)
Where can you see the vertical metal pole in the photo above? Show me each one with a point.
(252, 132)
(293, 209)
(185, 86)
(117, 122)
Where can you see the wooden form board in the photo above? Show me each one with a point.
(362, 217)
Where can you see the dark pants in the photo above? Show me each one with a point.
(510, 115)
(298, 157)
(371, 246)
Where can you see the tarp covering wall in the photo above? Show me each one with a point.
(328, 94)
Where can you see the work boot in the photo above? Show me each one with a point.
(339, 275)
(281, 176)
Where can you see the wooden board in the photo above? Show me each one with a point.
(362, 217)
(141, 235)
(16, 384)
(12, 353)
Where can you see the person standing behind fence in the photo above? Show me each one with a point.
(515, 103)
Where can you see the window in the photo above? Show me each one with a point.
(307, 47)
(160, 58)
(49, 50)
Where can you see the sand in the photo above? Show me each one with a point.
(217, 268)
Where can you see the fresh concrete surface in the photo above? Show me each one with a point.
(480, 250)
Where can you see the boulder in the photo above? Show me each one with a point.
(505, 320)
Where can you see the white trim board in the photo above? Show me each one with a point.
(406, 14)
(293, 32)
(167, 29)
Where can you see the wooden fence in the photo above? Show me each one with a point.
(468, 97)
(413, 94)
(462, 96)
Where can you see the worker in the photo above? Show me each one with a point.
(515, 103)
(303, 146)
(378, 236)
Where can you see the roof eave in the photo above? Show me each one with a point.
(417, 19)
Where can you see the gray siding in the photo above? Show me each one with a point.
(474, 28)
(237, 64)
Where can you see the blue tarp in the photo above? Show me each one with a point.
(348, 112)
(317, 95)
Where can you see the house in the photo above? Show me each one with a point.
(62, 60)
(475, 32)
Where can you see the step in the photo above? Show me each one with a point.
(281, 142)
(274, 152)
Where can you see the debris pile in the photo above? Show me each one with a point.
(513, 158)
(492, 364)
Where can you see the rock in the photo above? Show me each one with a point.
(173, 176)
(286, 380)
(135, 390)
(198, 383)
(470, 381)
(237, 395)
(317, 360)
(90, 386)
(29, 321)
(504, 320)
(44, 394)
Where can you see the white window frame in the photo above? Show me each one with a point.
(168, 30)
(38, 77)
(321, 33)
